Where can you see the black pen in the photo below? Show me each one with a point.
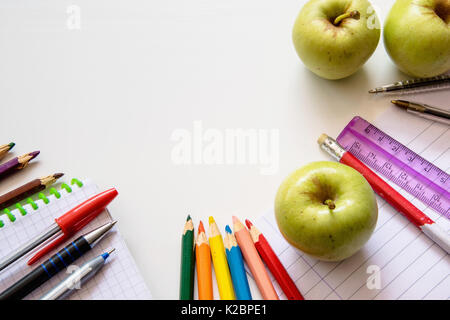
(56, 263)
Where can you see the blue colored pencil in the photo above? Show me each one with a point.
(236, 264)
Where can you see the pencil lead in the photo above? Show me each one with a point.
(211, 220)
(201, 228)
(58, 175)
(34, 154)
(188, 217)
(235, 219)
(228, 229)
(248, 223)
(11, 145)
(112, 250)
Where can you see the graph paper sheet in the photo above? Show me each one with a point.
(118, 279)
(410, 265)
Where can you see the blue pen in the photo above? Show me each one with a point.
(236, 264)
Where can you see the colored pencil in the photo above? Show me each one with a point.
(16, 163)
(219, 259)
(187, 261)
(254, 261)
(5, 148)
(236, 263)
(203, 259)
(274, 264)
(27, 190)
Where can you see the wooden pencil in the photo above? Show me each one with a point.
(16, 163)
(187, 261)
(254, 261)
(203, 259)
(219, 259)
(236, 263)
(274, 264)
(27, 190)
(4, 149)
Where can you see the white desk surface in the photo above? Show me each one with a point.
(103, 102)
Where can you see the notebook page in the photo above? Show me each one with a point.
(411, 265)
(118, 279)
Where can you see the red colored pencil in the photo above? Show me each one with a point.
(274, 264)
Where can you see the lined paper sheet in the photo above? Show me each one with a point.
(409, 264)
(118, 279)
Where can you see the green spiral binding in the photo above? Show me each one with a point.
(52, 191)
(21, 209)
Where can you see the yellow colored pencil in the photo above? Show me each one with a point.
(220, 263)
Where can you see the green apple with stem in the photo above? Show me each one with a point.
(334, 38)
(417, 36)
(327, 210)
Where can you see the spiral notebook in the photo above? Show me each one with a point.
(399, 261)
(118, 279)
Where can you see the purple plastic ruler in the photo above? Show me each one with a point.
(398, 164)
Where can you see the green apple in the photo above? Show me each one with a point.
(327, 210)
(417, 36)
(334, 38)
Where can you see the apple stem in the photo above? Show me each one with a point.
(330, 204)
(352, 14)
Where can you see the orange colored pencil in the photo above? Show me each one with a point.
(254, 261)
(203, 258)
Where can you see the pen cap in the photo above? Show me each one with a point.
(70, 221)
(75, 219)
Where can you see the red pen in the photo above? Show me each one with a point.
(66, 225)
(384, 190)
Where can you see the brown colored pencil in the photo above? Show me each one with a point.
(5, 148)
(27, 190)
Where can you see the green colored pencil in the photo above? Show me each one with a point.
(5, 148)
(187, 261)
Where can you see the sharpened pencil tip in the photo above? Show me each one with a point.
(112, 250)
(235, 219)
(58, 175)
(34, 154)
(11, 145)
(211, 220)
(201, 228)
(188, 217)
(228, 229)
(248, 223)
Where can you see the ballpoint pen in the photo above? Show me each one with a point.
(67, 286)
(424, 111)
(414, 83)
(66, 225)
(382, 188)
(56, 263)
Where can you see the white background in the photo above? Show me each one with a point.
(103, 101)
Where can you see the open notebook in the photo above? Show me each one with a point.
(411, 265)
(118, 279)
